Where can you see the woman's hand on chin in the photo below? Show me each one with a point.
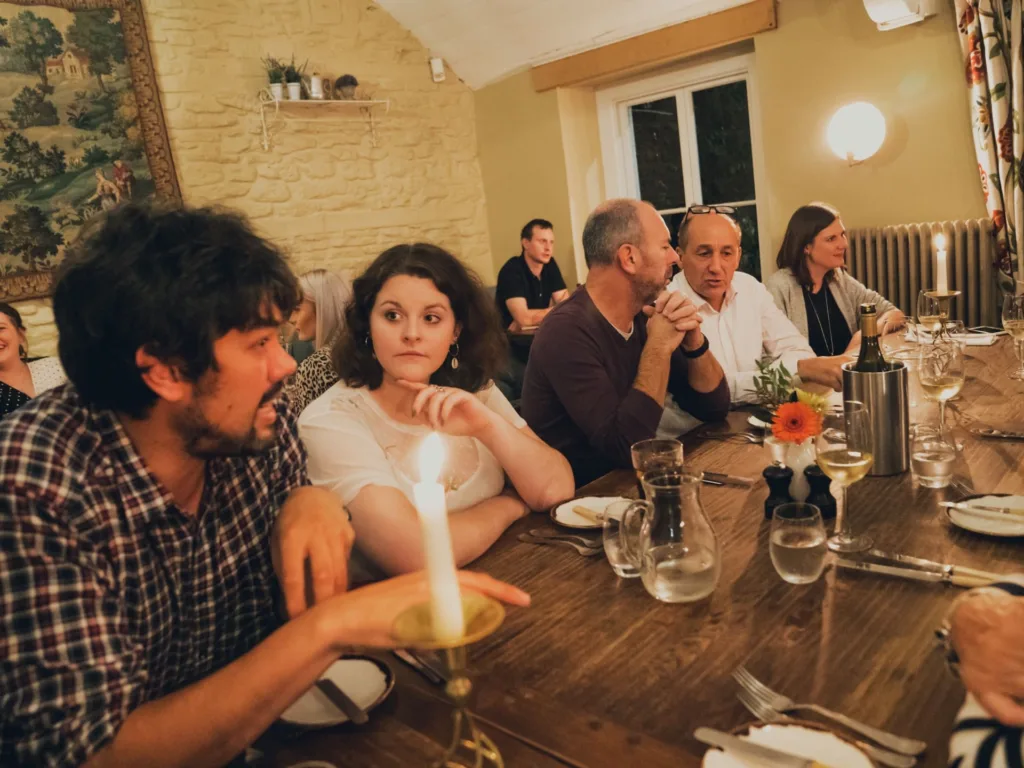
(450, 410)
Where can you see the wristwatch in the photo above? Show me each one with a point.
(698, 351)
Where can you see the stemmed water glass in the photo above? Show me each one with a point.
(845, 454)
(1013, 322)
(941, 374)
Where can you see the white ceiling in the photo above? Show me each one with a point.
(484, 40)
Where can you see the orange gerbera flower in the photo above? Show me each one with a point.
(795, 422)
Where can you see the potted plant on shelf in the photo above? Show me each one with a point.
(293, 78)
(275, 75)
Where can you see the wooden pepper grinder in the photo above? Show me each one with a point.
(821, 494)
(778, 479)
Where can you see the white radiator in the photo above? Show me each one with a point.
(899, 261)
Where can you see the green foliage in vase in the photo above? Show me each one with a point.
(773, 384)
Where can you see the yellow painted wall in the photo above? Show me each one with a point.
(826, 53)
(323, 191)
(523, 167)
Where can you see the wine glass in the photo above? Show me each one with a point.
(1013, 322)
(845, 454)
(941, 373)
(930, 314)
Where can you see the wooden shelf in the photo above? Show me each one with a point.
(308, 109)
(339, 105)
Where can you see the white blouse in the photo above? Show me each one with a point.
(353, 443)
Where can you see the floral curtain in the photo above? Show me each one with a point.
(990, 37)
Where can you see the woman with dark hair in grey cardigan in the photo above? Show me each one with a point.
(813, 257)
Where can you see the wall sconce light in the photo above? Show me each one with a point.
(856, 132)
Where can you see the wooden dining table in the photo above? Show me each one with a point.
(598, 673)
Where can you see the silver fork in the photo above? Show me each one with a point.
(766, 714)
(540, 533)
(782, 703)
(585, 551)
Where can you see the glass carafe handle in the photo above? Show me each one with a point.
(629, 530)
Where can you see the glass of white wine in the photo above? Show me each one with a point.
(1013, 322)
(941, 374)
(844, 454)
(930, 315)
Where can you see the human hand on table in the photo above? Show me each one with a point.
(891, 321)
(824, 370)
(312, 527)
(366, 616)
(987, 632)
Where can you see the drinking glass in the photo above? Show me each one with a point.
(797, 543)
(930, 314)
(844, 454)
(941, 373)
(1013, 322)
(613, 550)
(932, 457)
(655, 455)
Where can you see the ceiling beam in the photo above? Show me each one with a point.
(657, 48)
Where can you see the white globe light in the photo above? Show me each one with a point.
(856, 131)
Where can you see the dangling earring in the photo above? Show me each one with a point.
(22, 352)
(369, 346)
(454, 352)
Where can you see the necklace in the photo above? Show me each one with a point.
(828, 320)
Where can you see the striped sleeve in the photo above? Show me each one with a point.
(979, 740)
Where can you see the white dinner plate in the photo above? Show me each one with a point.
(366, 681)
(1011, 526)
(798, 740)
(563, 514)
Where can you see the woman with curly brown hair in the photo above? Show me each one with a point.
(422, 343)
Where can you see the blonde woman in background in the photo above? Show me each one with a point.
(319, 318)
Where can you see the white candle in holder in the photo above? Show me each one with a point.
(445, 599)
(941, 281)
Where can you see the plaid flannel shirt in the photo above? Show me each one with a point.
(110, 596)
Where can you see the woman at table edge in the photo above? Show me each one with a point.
(421, 346)
(813, 257)
(22, 378)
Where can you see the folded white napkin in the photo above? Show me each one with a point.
(970, 339)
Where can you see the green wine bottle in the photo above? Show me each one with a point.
(871, 359)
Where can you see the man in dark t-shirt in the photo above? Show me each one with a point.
(603, 361)
(530, 284)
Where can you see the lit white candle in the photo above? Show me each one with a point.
(445, 600)
(941, 283)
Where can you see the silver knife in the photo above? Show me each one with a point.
(916, 574)
(964, 507)
(931, 565)
(755, 753)
(716, 478)
(340, 699)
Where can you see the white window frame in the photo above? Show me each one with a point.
(613, 103)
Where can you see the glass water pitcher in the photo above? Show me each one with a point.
(670, 540)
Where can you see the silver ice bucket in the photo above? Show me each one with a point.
(885, 396)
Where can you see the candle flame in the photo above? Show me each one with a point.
(940, 241)
(431, 458)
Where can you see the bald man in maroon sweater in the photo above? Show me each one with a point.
(604, 359)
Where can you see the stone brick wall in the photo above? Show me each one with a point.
(322, 191)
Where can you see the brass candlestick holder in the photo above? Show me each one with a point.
(414, 629)
(944, 299)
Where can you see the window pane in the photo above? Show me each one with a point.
(672, 221)
(658, 161)
(723, 143)
(750, 261)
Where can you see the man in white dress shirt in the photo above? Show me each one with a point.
(739, 317)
